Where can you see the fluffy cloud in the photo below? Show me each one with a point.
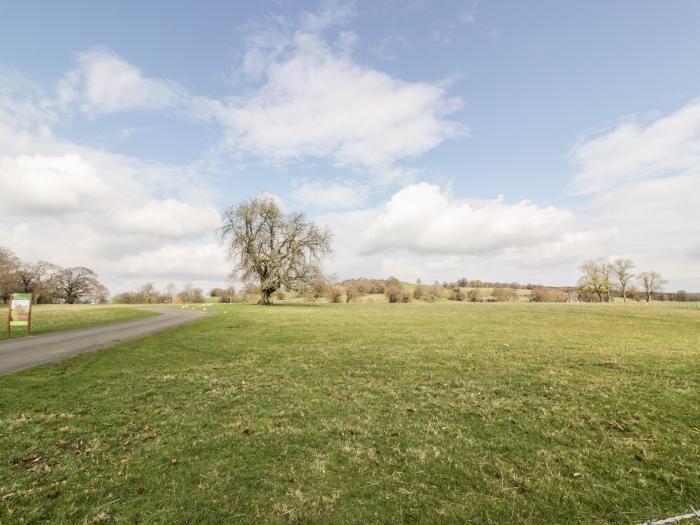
(76, 205)
(333, 195)
(104, 83)
(203, 262)
(658, 223)
(424, 219)
(168, 218)
(49, 184)
(633, 151)
(316, 101)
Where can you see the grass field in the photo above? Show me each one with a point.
(442, 413)
(59, 317)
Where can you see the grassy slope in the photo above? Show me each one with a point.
(475, 413)
(57, 318)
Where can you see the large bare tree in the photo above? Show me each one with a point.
(73, 284)
(274, 249)
(622, 270)
(651, 282)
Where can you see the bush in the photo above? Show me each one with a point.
(477, 295)
(503, 294)
(352, 292)
(433, 293)
(418, 292)
(335, 294)
(396, 294)
(456, 295)
(548, 295)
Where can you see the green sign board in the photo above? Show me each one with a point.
(19, 314)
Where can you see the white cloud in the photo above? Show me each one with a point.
(333, 195)
(201, 262)
(168, 218)
(658, 223)
(75, 205)
(49, 184)
(633, 151)
(316, 101)
(423, 219)
(23, 105)
(643, 179)
(104, 83)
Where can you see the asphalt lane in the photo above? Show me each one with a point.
(27, 352)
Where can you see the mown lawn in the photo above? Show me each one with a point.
(59, 317)
(428, 413)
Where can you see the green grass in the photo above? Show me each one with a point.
(48, 318)
(442, 413)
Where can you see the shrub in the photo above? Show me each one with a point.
(456, 295)
(396, 294)
(477, 295)
(335, 294)
(433, 293)
(352, 292)
(549, 295)
(418, 292)
(503, 294)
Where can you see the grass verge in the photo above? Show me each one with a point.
(47, 318)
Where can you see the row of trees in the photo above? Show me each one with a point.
(48, 282)
(149, 294)
(603, 281)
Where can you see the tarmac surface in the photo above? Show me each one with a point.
(34, 350)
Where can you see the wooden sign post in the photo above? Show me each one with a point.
(19, 314)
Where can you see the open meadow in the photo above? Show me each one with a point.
(366, 413)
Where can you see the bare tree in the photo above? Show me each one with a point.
(593, 279)
(170, 292)
(149, 294)
(98, 294)
(190, 294)
(8, 266)
(185, 296)
(75, 283)
(622, 270)
(651, 282)
(35, 278)
(272, 248)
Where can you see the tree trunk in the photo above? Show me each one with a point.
(624, 295)
(265, 297)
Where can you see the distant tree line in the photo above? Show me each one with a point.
(48, 282)
(149, 294)
(603, 281)
(459, 290)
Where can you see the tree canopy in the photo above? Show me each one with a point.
(274, 249)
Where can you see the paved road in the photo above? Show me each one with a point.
(26, 352)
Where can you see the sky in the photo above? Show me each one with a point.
(500, 140)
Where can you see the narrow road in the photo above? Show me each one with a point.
(26, 352)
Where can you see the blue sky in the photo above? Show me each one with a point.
(497, 140)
